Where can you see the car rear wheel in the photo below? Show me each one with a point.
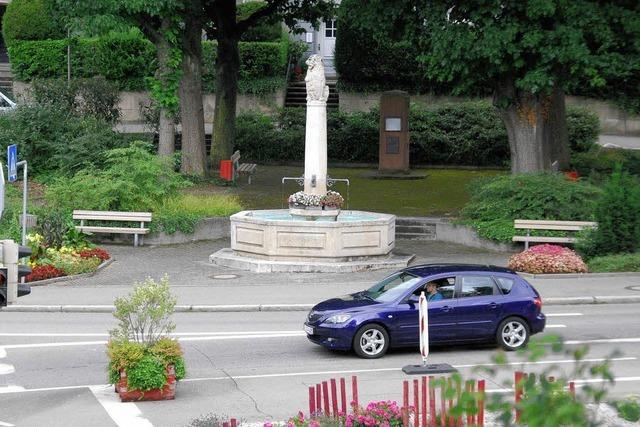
(371, 341)
(513, 333)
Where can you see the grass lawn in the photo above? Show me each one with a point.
(442, 193)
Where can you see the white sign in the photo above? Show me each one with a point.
(424, 327)
(1, 190)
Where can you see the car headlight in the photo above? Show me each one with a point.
(338, 318)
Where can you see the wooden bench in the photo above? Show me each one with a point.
(242, 168)
(529, 225)
(139, 217)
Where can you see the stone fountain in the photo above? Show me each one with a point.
(301, 238)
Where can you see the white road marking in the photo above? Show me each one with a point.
(555, 326)
(6, 369)
(2, 353)
(7, 390)
(123, 414)
(175, 334)
(3, 424)
(603, 341)
(563, 314)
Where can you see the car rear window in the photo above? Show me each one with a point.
(474, 286)
(505, 284)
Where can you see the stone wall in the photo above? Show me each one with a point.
(613, 120)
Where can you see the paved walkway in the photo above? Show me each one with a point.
(197, 282)
(614, 141)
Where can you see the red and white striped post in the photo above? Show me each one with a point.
(423, 310)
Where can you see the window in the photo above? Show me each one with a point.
(445, 286)
(331, 28)
(505, 284)
(392, 287)
(475, 286)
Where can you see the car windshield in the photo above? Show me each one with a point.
(392, 287)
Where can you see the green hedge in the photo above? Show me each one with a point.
(468, 133)
(30, 20)
(128, 58)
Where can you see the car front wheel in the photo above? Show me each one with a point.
(371, 341)
(513, 333)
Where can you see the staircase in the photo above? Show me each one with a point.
(6, 79)
(297, 95)
(415, 228)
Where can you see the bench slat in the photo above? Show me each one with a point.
(112, 216)
(552, 227)
(124, 230)
(235, 156)
(544, 239)
(529, 222)
(247, 168)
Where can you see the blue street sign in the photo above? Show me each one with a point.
(12, 161)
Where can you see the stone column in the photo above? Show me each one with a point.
(315, 149)
(315, 142)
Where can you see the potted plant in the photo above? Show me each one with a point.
(332, 201)
(302, 200)
(144, 363)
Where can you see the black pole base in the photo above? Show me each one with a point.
(438, 368)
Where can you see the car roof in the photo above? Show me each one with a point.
(424, 270)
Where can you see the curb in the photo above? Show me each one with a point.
(623, 299)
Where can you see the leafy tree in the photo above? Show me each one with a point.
(30, 20)
(228, 28)
(528, 53)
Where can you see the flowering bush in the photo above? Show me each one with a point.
(42, 272)
(303, 199)
(332, 199)
(548, 259)
(94, 252)
(384, 413)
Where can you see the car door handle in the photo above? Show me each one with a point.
(493, 305)
(446, 308)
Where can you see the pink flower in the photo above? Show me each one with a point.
(267, 425)
(314, 424)
(301, 416)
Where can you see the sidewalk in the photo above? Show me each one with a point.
(201, 286)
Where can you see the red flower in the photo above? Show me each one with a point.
(95, 252)
(572, 175)
(41, 272)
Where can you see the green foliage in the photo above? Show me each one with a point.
(496, 202)
(599, 163)
(265, 30)
(147, 374)
(30, 20)
(182, 213)
(583, 127)
(53, 226)
(629, 408)
(169, 352)
(143, 315)
(55, 141)
(10, 227)
(616, 212)
(615, 263)
(94, 97)
(124, 353)
(133, 179)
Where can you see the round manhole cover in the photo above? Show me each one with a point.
(225, 276)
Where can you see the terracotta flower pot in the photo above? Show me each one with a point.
(167, 392)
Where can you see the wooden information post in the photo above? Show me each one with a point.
(394, 132)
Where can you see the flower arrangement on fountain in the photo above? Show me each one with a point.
(331, 200)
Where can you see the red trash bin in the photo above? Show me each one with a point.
(226, 170)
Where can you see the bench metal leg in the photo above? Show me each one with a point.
(135, 240)
(249, 178)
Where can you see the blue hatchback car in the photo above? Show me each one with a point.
(468, 303)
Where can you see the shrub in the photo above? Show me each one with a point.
(583, 127)
(615, 263)
(146, 374)
(55, 141)
(53, 227)
(496, 202)
(30, 20)
(599, 163)
(616, 212)
(42, 272)
(133, 179)
(542, 259)
(629, 408)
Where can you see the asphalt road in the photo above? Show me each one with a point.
(254, 366)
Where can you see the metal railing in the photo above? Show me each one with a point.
(4, 99)
(330, 183)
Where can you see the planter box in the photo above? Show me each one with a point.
(168, 392)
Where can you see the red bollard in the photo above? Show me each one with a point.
(518, 379)
(318, 399)
(416, 403)
(432, 402)
(354, 392)
(451, 420)
(343, 395)
(312, 401)
(234, 422)
(424, 401)
(325, 396)
(443, 405)
(572, 389)
(334, 397)
(481, 386)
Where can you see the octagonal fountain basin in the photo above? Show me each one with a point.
(276, 235)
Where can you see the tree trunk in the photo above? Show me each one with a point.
(166, 128)
(526, 117)
(557, 135)
(191, 108)
(227, 69)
